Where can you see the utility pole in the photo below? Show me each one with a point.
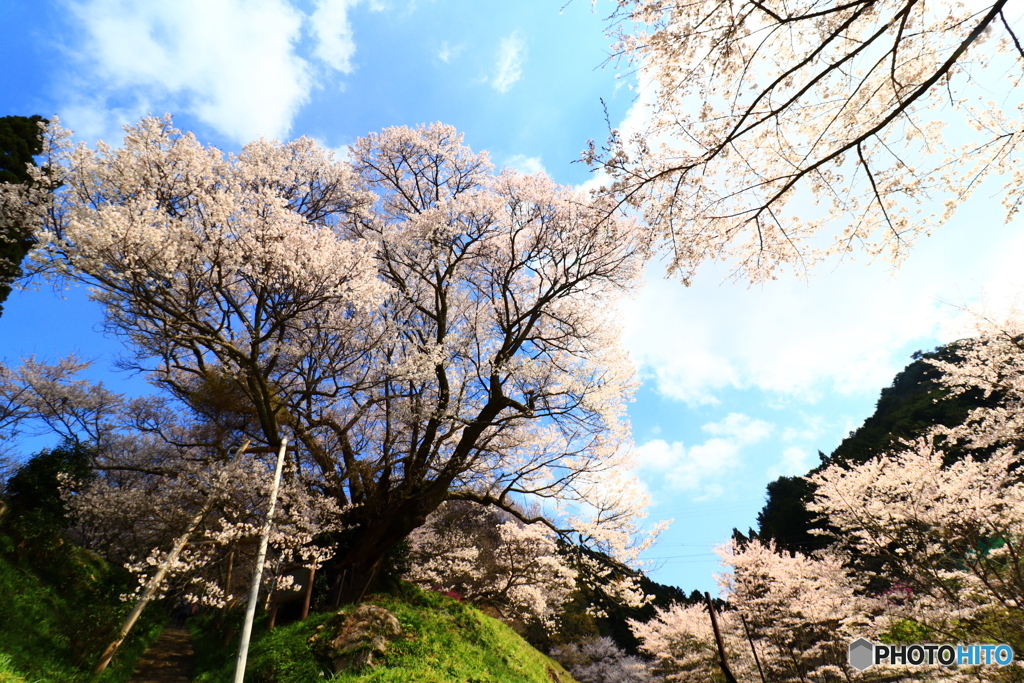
(723, 662)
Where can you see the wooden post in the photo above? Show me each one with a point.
(718, 641)
(272, 620)
(154, 582)
(309, 595)
(752, 648)
(257, 575)
(272, 601)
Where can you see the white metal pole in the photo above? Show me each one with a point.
(257, 577)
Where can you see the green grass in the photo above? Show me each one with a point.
(7, 672)
(60, 607)
(443, 641)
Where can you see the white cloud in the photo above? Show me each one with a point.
(449, 52)
(231, 63)
(846, 331)
(335, 44)
(525, 164)
(332, 29)
(509, 66)
(701, 469)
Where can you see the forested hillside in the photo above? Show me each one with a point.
(913, 404)
(61, 603)
(923, 509)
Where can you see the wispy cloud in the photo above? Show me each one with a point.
(509, 66)
(701, 469)
(448, 52)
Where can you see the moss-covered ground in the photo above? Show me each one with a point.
(59, 607)
(443, 641)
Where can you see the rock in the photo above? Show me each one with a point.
(354, 640)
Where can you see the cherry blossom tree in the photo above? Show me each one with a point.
(134, 519)
(38, 398)
(427, 329)
(681, 642)
(505, 378)
(951, 533)
(744, 107)
(991, 361)
(800, 612)
(492, 559)
(599, 660)
(797, 613)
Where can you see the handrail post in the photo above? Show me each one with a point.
(257, 575)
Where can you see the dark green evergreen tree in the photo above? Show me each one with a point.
(785, 518)
(19, 144)
(34, 492)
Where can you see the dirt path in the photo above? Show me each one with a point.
(168, 660)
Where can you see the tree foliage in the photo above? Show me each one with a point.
(785, 519)
(38, 515)
(20, 143)
(747, 106)
(36, 489)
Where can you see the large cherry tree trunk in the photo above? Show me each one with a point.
(361, 565)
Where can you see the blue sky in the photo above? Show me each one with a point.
(739, 385)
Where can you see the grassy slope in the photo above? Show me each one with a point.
(444, 641)
(54, 622)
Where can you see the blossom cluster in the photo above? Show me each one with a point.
(870, 109)
(493, 560)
